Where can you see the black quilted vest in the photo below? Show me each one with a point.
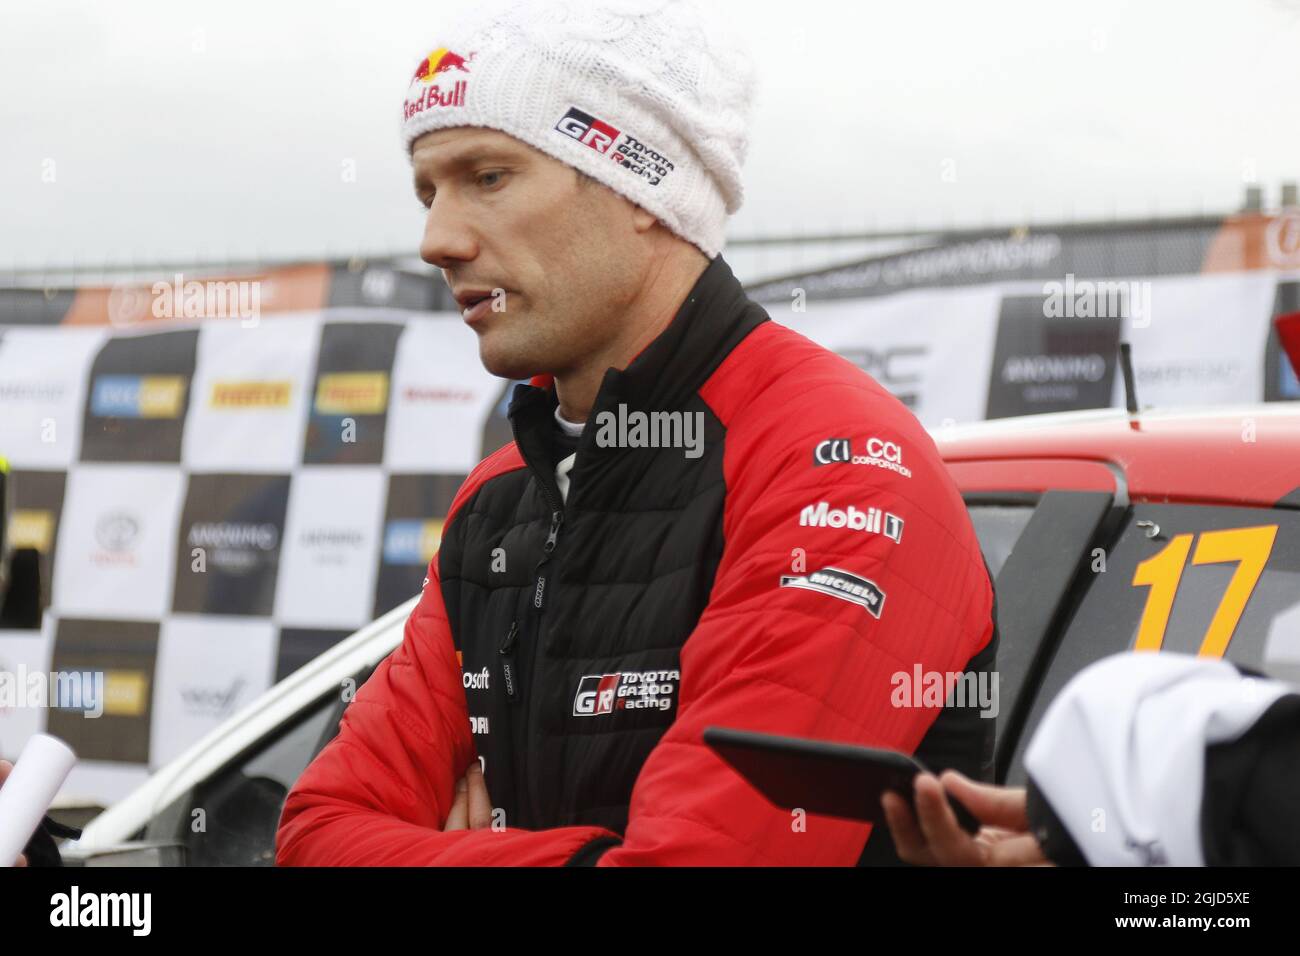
(546, 597)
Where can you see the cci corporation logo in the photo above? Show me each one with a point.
(879, 454)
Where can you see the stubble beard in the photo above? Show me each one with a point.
(516, 346)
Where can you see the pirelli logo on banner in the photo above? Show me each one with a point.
(352, 393)
(234, 395)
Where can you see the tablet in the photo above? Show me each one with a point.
(837, 780)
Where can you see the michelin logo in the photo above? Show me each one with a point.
(841, 584)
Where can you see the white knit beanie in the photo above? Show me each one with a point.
(650, 97)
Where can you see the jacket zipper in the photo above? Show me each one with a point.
(509, 672)
(537, 599)
(538, 606)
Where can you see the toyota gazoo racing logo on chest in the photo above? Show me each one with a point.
(838, 583)
(438, 62)
(871, 521)
(629, 690)
(879, 454)
(623, 148)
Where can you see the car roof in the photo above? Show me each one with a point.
(1240, 455)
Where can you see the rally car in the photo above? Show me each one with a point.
(1104, 530)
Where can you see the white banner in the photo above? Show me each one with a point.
(207, 671)
(331, 550)
(248, 406)
(117, 542)
(42, 392)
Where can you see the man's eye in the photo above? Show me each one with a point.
(491, 179)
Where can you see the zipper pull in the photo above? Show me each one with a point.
(507, 651)
(552, 537)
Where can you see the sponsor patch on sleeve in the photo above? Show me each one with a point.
(841, 584)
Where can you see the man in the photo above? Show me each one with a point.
(704, 519)
(1144, 759)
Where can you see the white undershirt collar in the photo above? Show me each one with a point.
(569, 428)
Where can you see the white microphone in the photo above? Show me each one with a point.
(32, 786)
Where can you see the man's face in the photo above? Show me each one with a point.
(503, 215)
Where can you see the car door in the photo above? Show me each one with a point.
(230, 818)
(1197, 579)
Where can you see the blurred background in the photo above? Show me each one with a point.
(234, 404)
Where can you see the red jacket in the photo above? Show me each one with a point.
(794, 576)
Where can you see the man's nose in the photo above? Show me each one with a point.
(448, 238)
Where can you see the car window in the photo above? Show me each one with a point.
(241, 803)
(998, 528)
(1221, 582)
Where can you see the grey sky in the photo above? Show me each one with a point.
(210, 131)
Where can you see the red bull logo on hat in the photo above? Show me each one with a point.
(441, 60)
(431, 67)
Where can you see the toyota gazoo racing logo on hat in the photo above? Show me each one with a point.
(431, 67)
(623, 148)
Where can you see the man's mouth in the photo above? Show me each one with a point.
(476, 303)
(477, 310)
